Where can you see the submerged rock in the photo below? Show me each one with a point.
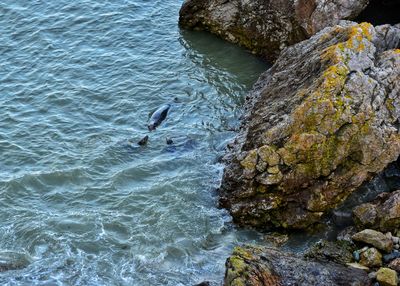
(382, 214)
(266, 27)
(306, 146)
(257, 266)
(374, 238)
(13, 260)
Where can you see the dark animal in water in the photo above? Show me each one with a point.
(143, 141)
(169, 141)
(158, 116)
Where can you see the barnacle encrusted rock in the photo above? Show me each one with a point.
(320, 122)
(266, 26)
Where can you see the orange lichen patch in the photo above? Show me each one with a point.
(313, 148)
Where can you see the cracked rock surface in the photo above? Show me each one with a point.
(320, 122)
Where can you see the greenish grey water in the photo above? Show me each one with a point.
(78, 206)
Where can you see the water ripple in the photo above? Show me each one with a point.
(80, 203)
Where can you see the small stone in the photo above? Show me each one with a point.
(356, 256)
(358, 266)
(395, 264)
(371, 258)
(375, 238)
(395, 240)
(387, 277)
(389, 257)
(396, 246)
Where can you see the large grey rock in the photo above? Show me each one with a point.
(266, 26)
(259, 266)
(323, 120)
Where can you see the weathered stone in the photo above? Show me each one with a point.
(374, 238)
(338, 251)
(365, 215)
(395, 264)
(258, 266)
(371, 258)
(333, 127)
(393, 255)
(266, 27)
(382, 214)
(387, 277)
(278, 239)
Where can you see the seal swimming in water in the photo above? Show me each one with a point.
(158, 116)
(143, 141)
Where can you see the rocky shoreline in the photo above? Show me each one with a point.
(320, 123)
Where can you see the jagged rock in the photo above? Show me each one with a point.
(323, 120)
(266, 27)
(257, 266)
(338, 251)
(382, 214)
(395, 264)
(387, 277)
(374, 238)
(371, 258)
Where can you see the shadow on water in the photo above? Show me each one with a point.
(211, 52)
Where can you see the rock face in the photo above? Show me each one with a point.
(382, 214)
(266, 27)
(256, 266)
(320, 122)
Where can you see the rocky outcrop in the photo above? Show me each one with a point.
(266, 27)
(320, 122)
(257, 266)
(382, 214)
